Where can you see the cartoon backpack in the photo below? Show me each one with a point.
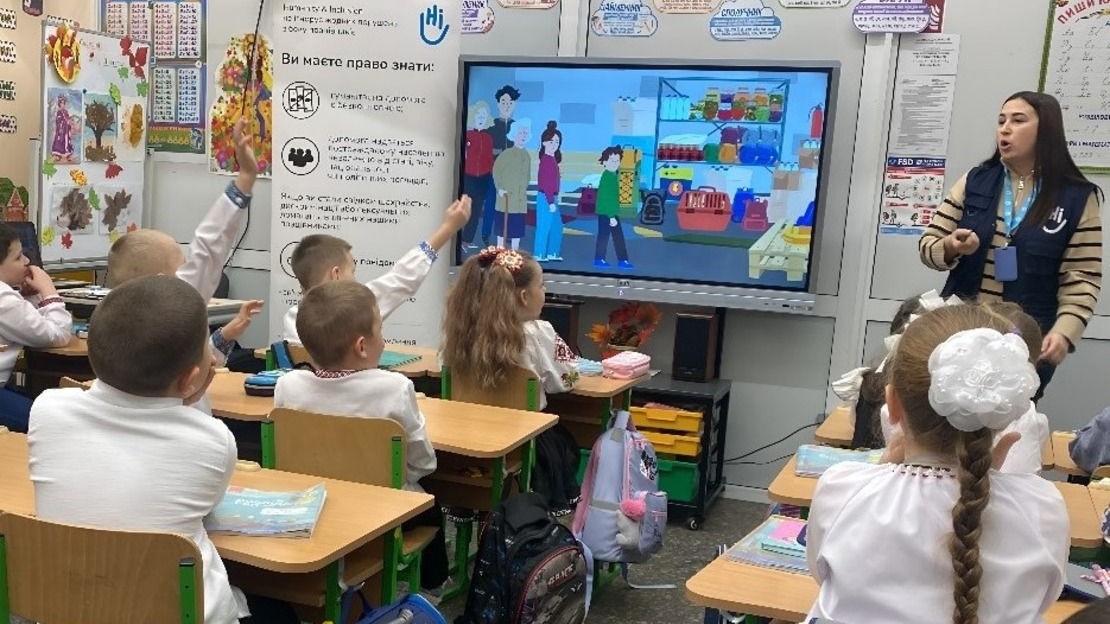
(622, 514)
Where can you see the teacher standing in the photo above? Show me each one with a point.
(1024, 226)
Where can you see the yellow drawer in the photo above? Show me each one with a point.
(689, 446)
(666, 419)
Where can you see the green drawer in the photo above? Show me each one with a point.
(678, 479)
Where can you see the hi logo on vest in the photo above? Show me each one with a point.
(1056, 221)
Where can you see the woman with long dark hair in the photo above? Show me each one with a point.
(1024, 226)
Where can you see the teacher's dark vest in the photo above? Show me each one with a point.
(1040, 250)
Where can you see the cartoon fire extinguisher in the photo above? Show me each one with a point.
(816, 122)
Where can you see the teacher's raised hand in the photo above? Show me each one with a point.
(962, 242)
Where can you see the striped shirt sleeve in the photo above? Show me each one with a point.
(944, 222)
(1080, 275)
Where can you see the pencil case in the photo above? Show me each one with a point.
(626, 365)
(263, 384)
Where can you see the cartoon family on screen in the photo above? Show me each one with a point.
(593, 180)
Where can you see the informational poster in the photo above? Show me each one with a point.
(477, 17)
(1077, 54)
(20, 81)
(813, 4)
(743, 20)
(176, 31)
(624, 18)
(891, 16)
(913, 186)
(912, 190)
(365, 142)
(686, 6)
(528, 4)
(94, 123)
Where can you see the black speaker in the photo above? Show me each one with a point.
(697, 345)
(563, 316)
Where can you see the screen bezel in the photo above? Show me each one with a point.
(722, 294)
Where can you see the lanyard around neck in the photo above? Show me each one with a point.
(1013, 221)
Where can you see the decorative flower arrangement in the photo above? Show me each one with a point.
(629, 327)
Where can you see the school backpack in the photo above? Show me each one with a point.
(622, 514)
(409, 609)
(555, 474)
(587, 201)
(529, 570)
(652, 211)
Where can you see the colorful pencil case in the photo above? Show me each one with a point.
(263, 383)
(626, 365)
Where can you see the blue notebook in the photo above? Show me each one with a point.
(244, 511)
(393, 359)
(773, 544)
(813, 460)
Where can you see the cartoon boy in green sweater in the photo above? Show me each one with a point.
(608, 211)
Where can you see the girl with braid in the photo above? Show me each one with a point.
(937, 534)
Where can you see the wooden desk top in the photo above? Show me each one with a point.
(77, 347)
(1061, 459)
(733, 586)
(480, 430)
(598, 387)
(1100, 498)
(346, 522)
(766, 592)
(230, 400)
(790, 489)
(837, 429)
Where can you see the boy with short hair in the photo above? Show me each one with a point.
(320, 258)
(341, 328)
(129, 453)
(37, 320)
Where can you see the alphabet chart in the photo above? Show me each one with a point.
(176, 31)
(1077, 53)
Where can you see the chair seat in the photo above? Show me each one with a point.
(1101, 472)
(416, 538)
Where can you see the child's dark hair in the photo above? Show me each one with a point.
(8, 235)
(331, 317)
(508, 90)
(315, 255)
(609, 151)
(868, 431)
(1097, 612)
(909, 307)
(549, 133)
(149, 332)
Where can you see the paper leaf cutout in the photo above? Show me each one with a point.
(125, 46)
(48, 169)
(78, 176)
(113, 171)
(113, 91)
(94, 199)
(132, 227)
(67, 240)
(143, 88)
(123, 73)
(113, 236)
(47, 236)
(75, 209)
(115, 204)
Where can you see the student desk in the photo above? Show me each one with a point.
(790, 489)
(82, 301)
(346, 523)
(1061, 458)
(837, 429)
(229, 400)
(1100, 498)
(766, 592)
(429, 359)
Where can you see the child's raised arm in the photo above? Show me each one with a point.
(456, 216)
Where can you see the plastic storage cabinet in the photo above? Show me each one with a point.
(690, 444)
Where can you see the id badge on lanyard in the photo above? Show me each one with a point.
(1005, 257)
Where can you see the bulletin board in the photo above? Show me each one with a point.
(20, 29)
(94, 96)
(1076, 54)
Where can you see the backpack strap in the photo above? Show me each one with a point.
(586, 493)
(282, 358)
(623, 420)
(624, 575)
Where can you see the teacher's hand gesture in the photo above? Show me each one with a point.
(962, 242)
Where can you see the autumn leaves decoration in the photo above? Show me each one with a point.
(87, 131)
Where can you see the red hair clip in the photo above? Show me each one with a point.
(510, 259)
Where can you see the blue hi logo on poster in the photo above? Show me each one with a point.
(433, 27)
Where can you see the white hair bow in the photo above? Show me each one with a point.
(849, 384)
(981, 378)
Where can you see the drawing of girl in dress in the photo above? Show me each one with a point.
(66, 122)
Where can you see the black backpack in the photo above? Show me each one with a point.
(530, 569)
(652, 212)
(555, 475)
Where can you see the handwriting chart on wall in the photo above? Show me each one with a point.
(1077, 53)
(175, 30)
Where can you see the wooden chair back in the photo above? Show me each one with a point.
(62, 574)
(339, 447)
(520, 390)
(70, 382)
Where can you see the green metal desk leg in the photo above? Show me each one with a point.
(187, 586)
(528, 464)
(463, 532)
(604, 573)
(269, 459)
(333, 595)
(5, 600)
(392, 558)
(271, 361)
(626, 399)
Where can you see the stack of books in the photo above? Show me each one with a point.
(244, 511)
(777, 543)
(813, 460)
